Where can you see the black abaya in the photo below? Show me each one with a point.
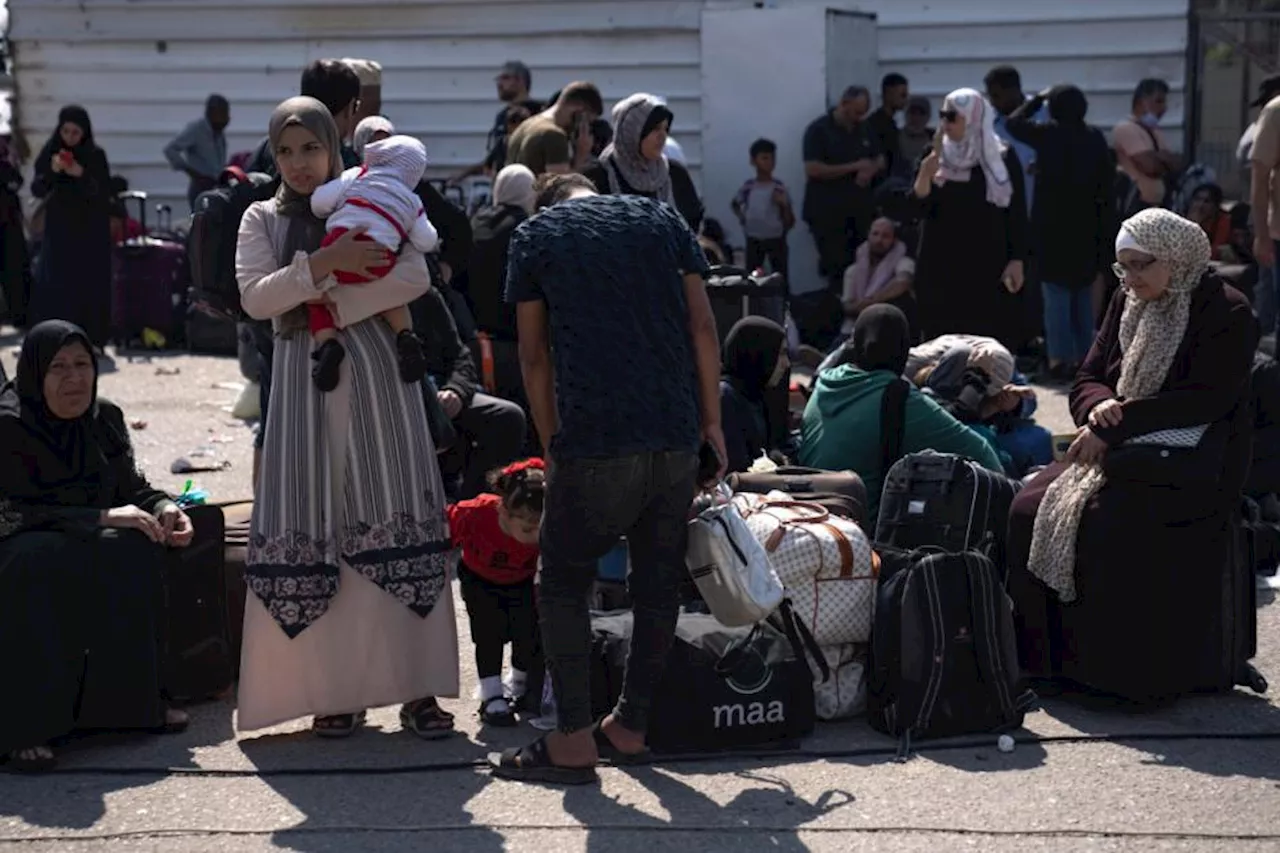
(965, 244)
(79, 605)
(73, 280)
(1149, 559)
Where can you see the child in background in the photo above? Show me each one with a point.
(378, 197)
(763, 206)
(498, 535)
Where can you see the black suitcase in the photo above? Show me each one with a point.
(1233, 626)
(946, 501)
(723, 688)
(210, 333)
(197, 647)
(735, 293)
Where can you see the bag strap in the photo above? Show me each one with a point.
(803, 645)
(994, 669)
(893, 422)
(845, 548)
(817, 512)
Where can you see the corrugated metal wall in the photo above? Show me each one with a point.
(144, 74)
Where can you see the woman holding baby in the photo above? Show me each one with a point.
(349, 603)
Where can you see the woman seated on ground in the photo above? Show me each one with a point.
(82, 554)
(1116, 554)
(753, 392)
(974, 379)
(1205, 209)
(843, 418)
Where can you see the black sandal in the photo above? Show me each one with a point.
(532, 763)
(336, 726)
(36, 764)
(426, 719)
(501, 716)
(615, 756)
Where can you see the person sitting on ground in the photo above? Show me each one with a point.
(1124, 522)
(974, 379)
(490, 430)
(1205, 209)
(634, 162)
(843, 420)
(715, 243)
(753, 391)
(377, 202)
(82, 557)
(881, 274)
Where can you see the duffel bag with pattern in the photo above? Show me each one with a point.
(824, 561)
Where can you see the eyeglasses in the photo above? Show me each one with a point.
(948, 115)
(1123, 271)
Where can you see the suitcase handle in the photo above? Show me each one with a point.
(141, 198)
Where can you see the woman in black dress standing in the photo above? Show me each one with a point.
(973, 213)
(74, 278)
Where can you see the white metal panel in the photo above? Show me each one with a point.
(144, 75)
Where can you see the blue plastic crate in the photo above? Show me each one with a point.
(613, 566)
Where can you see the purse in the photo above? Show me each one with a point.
(730, 568)
(1179, 457)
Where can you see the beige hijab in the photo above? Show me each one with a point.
(514, 185)
(1150, 334)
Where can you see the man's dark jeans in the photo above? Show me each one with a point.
(590, 503)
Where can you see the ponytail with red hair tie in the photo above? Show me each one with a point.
(514, 468)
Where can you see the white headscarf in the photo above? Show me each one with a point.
(979, 147)
(514, 185)
(365, 131)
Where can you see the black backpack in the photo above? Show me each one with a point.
(944, 657)
(211, 245)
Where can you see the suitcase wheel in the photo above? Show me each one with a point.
(1253, 679)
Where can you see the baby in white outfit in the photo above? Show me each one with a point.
(379, 197)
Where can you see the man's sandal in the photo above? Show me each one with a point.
(35, 759)
(532, 763)
(337, 726)
(426, 719)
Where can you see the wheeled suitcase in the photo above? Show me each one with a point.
(1233, 624)
(736, 293)
(236, 544)
(197, 646)
(150, 283)
(946, 501)
(839, 492)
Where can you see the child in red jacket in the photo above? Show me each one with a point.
(498, 535)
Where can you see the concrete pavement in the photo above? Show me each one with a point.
(1202, 776)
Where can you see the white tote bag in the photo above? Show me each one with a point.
(730, 567)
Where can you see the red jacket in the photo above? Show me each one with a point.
(486, 549)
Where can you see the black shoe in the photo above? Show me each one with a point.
(497, 712)
(327, 369)
(413, 361)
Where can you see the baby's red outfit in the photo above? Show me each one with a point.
(486, 549)
(319, 317)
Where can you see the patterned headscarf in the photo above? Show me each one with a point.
(979, 147)
(1151, 331)
(633, 119)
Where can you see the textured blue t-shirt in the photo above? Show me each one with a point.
(611, 269)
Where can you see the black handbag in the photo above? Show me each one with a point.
(1181, 457)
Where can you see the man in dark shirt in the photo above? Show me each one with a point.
(622, 405)
(514, 81)
(841, 160)
(894, 93)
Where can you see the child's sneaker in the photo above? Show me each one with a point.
(412, 358)
(327, 369)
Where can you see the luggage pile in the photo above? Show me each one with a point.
(907, 613)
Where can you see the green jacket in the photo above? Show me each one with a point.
(841, 429)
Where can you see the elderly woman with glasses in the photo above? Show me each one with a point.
(1117, 553)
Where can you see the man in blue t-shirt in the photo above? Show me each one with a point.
(621, 367)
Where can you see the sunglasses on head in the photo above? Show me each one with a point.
(948, 115)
